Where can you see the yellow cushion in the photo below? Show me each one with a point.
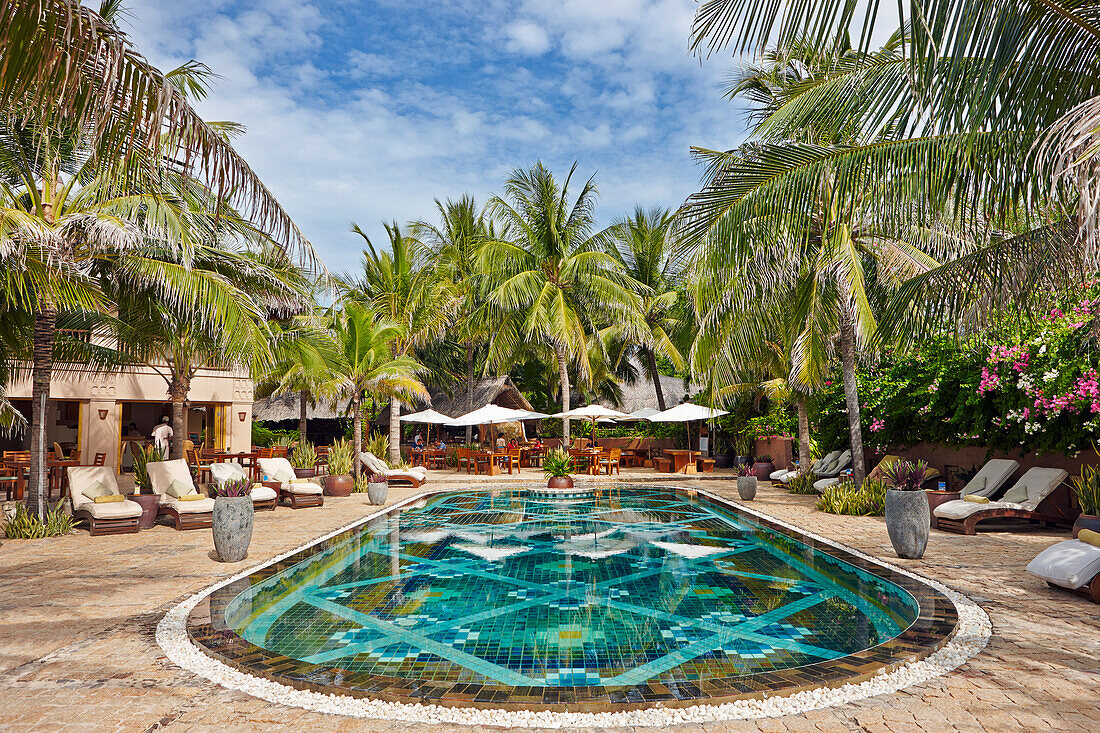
(1089, 537)
(190, 497)
(300, 481)
(976, 499)
(109, 498)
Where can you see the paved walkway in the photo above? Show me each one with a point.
(78, 614)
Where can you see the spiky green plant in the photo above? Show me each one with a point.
(304, 455)
(340, 457)
(23, 525)
(142, 457)
(803, 483)
(1087, 487)
(557, 464)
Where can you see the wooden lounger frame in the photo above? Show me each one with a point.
(117, 525)
(187, 520)
(1090, 590)
(412, 481)
(969, 525)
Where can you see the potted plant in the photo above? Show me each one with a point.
(1087, 488)
(233, 517)
(763, 467)
(746, 482)
(338, 482)
(742, 444)
(557, 466)
(907, 516)
(378, 488)
(304, 460)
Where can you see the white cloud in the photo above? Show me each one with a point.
(527, 38)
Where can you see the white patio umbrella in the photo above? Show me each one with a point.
(592, 412)
(430, 417)
(643, 414)
(685, 413)
(489, 415)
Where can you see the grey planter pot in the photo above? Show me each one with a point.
(907, 522)
(232, 527)
(377, 493)
(746, 487)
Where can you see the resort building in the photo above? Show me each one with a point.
(97, 412)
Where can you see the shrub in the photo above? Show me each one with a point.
(1087, 487)
(234, 488)
(845, 498)
(803, 483)
(142, 457)
(341, 457)
(22, 525)
(378, 444)
(304, 455)
(557, 463)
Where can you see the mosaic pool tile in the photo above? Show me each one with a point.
(622, 596)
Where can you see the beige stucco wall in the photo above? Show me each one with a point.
(107, 391)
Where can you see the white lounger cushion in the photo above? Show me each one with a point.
(163, 474)
(199, 506)
(262, 493)
(825, 483)
(275, 469)
(374, 464)
(1032, 488)
(777, 475)
(112, 510)
(1070, 564)
(303, 488)
(223, 472)
(81, 477)
(990, 478)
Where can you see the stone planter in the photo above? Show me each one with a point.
(305, 472)
(232, 527)
(341, 485)
(763, 470)
(907, 522)
(377, 493)
(1086, 521)
(560, 482)
(746, 487)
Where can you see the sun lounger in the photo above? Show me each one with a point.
(788, 475)
(1019, 502)
(990, 478)
(174, 477)
(104, 517)
(877, 473)
(278, 474)
(1072, 564)
(263, 497)
(414, 476)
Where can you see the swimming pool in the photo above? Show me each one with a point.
(595, 599)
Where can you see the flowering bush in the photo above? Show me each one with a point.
(1031, 383)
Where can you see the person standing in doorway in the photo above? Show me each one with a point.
(162, 436)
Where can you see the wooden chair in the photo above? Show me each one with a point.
(265, 453)
(9, 482)
(612, 461)
(704, 465)
(17, 455)
(100, 459)
(199, 466)
(514, 459)
(58, 453)
(74, 455)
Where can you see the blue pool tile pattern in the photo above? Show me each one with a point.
(614, 594)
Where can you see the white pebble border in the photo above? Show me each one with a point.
(971, 635)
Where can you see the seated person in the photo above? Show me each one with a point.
(442, 445)
(501, 444)
(512, 444)
(418, 441)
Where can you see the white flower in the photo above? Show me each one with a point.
(1043, 349)
(1050, 376)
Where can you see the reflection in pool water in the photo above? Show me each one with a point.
(527, 590)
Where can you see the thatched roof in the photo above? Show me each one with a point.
(499, 390)
(642, 394)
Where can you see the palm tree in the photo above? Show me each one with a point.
(553, 270)
(367, 364)
(305, 358)
(817, 205)
(645, 247)
(401, 286)
(455, 244)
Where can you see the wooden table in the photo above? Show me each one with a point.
(592, 455)
(531, 456)
(494, 460)
(935, 498)
(683, 461)
(428, 457)
(56, 475)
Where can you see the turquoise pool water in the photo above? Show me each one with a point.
(513, 592)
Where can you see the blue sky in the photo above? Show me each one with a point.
(367, 111)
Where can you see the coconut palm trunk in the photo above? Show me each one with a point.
(563, 376)
(394, 453)
(178, 390)
(302, 406)
(851, 393)
(803, 430)
(45, 328)
(469, 390)
(356, 431)
(656, 379)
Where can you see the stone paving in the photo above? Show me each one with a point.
(78, 615)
